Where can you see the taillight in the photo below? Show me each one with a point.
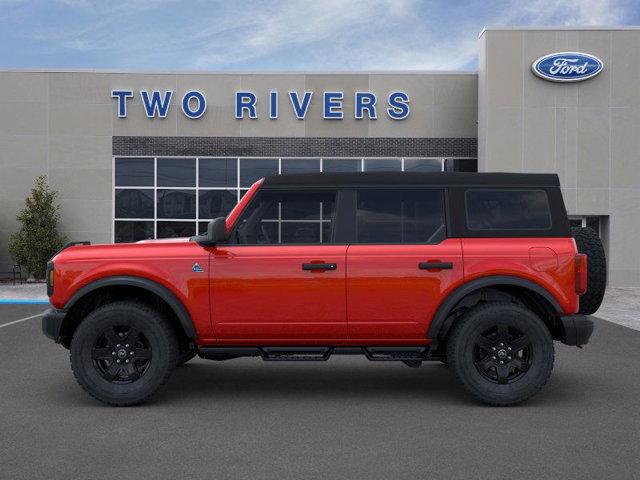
(581, 273)
(50, 278)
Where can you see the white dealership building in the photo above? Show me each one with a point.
(157, 154)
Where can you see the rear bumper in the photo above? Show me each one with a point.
(52, 323)
(576, 329)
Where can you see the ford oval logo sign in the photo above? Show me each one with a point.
(567, 66)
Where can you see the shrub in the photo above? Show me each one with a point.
(38, 238)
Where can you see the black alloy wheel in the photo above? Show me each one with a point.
(502, 354)
(121, 354)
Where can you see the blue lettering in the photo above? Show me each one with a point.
(246, 101)
(122, 96)
(332, 105)
(200, 100)
(273, 105)
(156, 105)
(398, 105)
(365, 101)
(300, 109)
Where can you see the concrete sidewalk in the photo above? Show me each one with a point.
(621, 305)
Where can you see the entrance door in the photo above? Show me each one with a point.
(400, 265)
(281, 278)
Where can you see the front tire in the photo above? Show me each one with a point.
(123, 352)
(501, 352)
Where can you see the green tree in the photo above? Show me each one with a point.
(38, 238)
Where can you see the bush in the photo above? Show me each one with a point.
(38, 239)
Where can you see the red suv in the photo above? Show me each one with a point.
(480, 271)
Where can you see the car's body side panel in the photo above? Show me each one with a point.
(168, 264)
(389, 297)
(521, 257)
(263, 293)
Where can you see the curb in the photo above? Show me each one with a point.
(23, 301)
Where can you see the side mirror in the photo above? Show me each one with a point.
(216, 233)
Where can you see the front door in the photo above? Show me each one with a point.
(400, 266)
(281, 278)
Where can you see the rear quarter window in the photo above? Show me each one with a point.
(507, 209)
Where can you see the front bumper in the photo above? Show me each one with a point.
(575, 330)
(52, 323)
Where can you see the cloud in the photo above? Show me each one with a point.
(283, 34)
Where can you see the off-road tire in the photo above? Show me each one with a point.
(588, 242)
(153, 328)
(462, 348)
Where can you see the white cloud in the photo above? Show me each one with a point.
(299, 34)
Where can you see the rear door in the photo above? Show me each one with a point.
(282, 277)
(400, 265)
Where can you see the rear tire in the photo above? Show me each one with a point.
(501, 352)
(123, 352)
(589, 243)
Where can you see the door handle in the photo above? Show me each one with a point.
(319, 266)
(435, 265)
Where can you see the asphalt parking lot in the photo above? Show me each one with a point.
(344, 419)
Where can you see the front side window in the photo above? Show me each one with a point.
(504, 209)
(287, 217)
(400, 216)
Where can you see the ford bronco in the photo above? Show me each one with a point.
(480, 271)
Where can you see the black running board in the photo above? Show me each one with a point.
(318, 354)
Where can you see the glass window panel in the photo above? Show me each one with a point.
(400, 216)
(134, 172)
(176, 203)
(132, 231)
(253, 169)
(382, 165)
(489, 209)
(461, 165)
(300, 165)
(218, 172)
(295, 232)
(176, 229)
(259, 223)
(422, 165)
(176, 172)
(134, 203)
(216, 203)
(341, 165)
(202, 228)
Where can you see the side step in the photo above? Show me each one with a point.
(318, 354)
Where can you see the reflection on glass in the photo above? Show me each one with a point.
(134, 203)
(300, 165)
(382, 165)
(134, 172)
(341, 165)
(132, 231)
(176, 229)
(218, 172)
(216, 203)
(253, 169)
(176, 172)
(422, 165)
(176, 203)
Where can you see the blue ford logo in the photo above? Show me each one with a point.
(567, 66)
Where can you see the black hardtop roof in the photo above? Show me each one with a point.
(415, 178)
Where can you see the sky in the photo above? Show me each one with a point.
(277, 35)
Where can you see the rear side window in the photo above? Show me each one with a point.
(504, 209)
(400, 216)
